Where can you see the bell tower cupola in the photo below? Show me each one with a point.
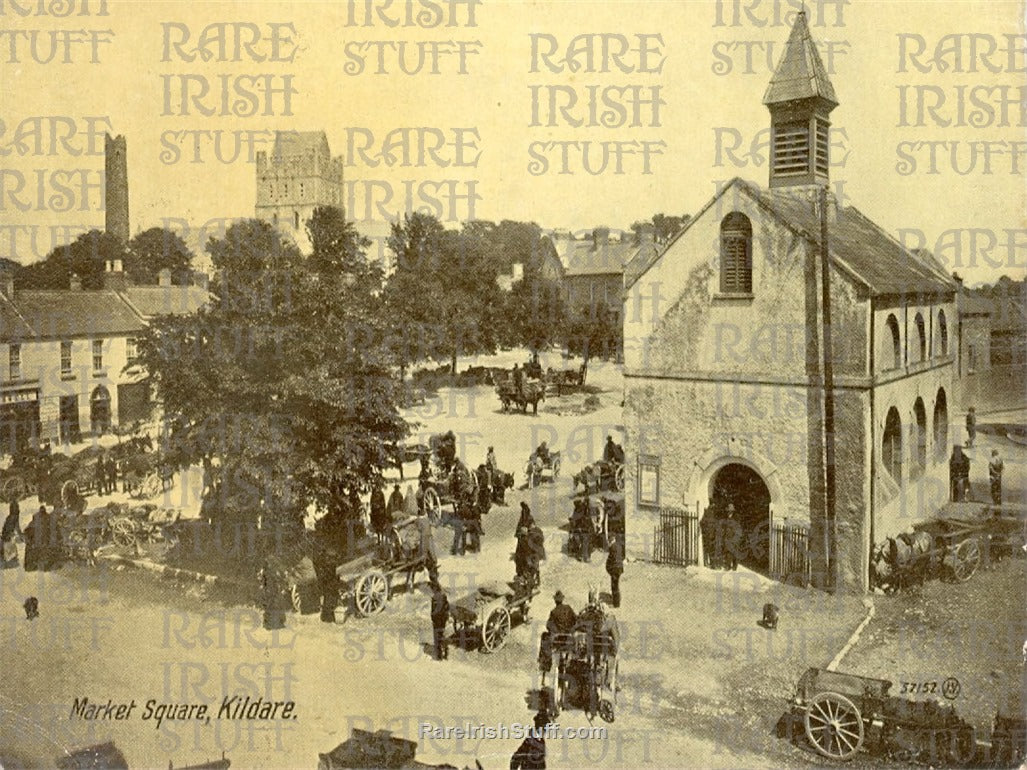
(800, 98)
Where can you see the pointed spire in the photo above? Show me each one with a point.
(800, 74)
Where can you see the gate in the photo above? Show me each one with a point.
(676, 538)
(789, 552)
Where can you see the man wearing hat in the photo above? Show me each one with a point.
(561, 617)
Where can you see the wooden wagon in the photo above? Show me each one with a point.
(441, 489)
(487, 614)
(532, 391)
(537, 468)
(600, 476)
(842, 712)
(372, 588)
(586, 665)
(952, 546)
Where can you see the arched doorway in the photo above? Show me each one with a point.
(100, 410)
(744, 488)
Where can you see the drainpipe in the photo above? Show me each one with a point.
(829, 476)
(873, 441)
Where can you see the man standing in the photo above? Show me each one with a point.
(959, 474)
(536, 553)
(112, 476)
(100, 476)
(971, 427)
(11, 529)
(615, 568)
(395, 504)
(429, 555)
(439, 620)
(380, 518)
(995, 474)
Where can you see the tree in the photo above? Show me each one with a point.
(442, 299)
(665, 226)
(282, 382)
(158, 249)
(594, 332)
(85, 257)
(534, 312)
(336, 245)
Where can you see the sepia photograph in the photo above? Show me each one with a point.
(487, 384)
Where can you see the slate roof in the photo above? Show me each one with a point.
(800, 74)
(152, 301)
(610, 258)
(859, 247)
(76, 313)
(971, 304)
(12, 326)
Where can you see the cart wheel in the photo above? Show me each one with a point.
(556, 469)
(151, 486)
(618, 479)
(606, 710)
(433, 505)
(123, 532)
(77, 538)
(494, 629)
(69, 491)
(371, 593)
(15, 488)
(295, 598)
(834, 725)
(966, 560)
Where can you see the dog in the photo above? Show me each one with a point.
(770, 616)
(31, 608)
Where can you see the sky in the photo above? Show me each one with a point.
(929, 137)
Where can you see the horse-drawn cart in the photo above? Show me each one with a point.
(488, 612)
(537, 467)
(952, 546)
(531, 392)
(600, 476)
(586, 664)
(841, 713)
(372, 588)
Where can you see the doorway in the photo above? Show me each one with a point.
(742, 487)
(69, 427)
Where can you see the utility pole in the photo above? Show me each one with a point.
(831, 532)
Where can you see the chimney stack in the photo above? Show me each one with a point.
(600, 237)
(164, 277)
(75, 282)
(114, 277)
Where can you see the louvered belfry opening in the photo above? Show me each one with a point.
(800, 98)
(736, 254)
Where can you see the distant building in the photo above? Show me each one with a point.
(298, 176)
(116, 187)
(724, 366)
(594, 268)
(68, 364)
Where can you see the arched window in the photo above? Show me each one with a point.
(893, 351)
(920, 426)
(921, 338)
(941, 426)
(943, 334)
(736, 254)
(891, 445)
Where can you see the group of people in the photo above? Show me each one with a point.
(44, 544)
(384, 512)
(105, 476)
(721, 537)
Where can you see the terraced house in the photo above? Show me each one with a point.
(725, 365)
(68, 367)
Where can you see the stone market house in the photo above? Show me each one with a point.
(724, 395)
